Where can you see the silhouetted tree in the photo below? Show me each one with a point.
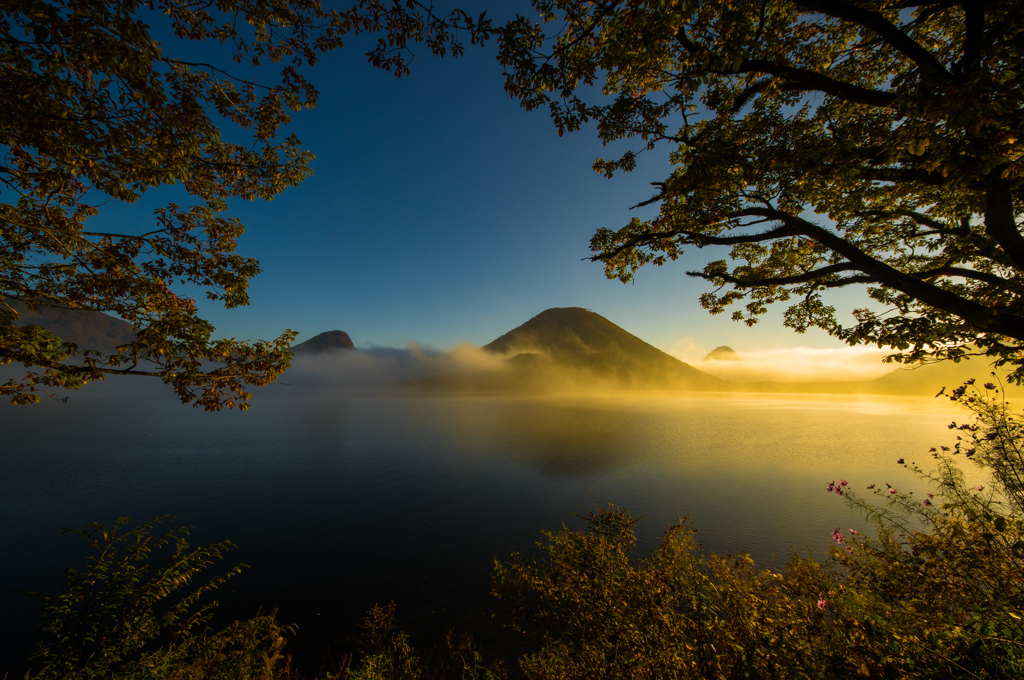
(826, 143)
(95, 109)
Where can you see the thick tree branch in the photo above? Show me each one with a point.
(806, 277)
(795, 79)
(697, 239)
(1000, 221)
(875, 271)
(803, 80)
(941, 228)
(961, 272)
(904, 174)
(784, 280)
(979, 316)
(878, 24)
(974, 37)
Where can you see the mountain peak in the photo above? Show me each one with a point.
(722, 353)
(328, 341)
(584, 340)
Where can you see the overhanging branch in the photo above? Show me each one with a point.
(1000, 220)
(882, 27)
(806, 277)
(874, 270)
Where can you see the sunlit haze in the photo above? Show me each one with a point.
(796, 364)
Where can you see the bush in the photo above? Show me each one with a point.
(140, 608)
(944, 578)
(387, 654)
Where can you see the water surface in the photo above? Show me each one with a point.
(338, 504)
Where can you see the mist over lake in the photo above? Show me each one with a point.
(340, 504)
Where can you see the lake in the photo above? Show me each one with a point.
(337, 504)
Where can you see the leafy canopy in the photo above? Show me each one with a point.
(96, 110)
(826, 143)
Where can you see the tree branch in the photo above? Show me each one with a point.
(974, 37)
(1000, 221)
(806, 277)
(802, 79)
(940, 228)
(875, 22)
(961, 272)
(796, 79)
(897, 175)
(875, 271)
(751, 283)
(979, 316)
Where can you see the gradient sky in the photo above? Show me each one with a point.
(442, 213)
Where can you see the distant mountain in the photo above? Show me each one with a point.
(87, 329)
(581, 343)
(927, 379)
(329, 341)
(722, 353)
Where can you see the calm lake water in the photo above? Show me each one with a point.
(339, 504)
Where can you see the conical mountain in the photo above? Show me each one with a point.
(722, 353)
(328, 341)
(579, 339)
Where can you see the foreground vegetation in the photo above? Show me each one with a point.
(936, 593)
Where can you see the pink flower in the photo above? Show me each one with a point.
(926, 502)
(871, 486)
(854, 532)
(836, 488)
(979, 488)
(822, 602)
(899, 461)
(892, 491)
(837, 535)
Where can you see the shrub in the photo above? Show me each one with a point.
(387, 654)
(140, 608)
(944, 578)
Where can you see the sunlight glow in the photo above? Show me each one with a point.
(795, 364)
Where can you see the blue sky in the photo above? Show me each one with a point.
(440, 212)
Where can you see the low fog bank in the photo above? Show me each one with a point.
(846, 370)
(417, 370)
(375, 371)
(800, 364)
(379, 370)
(470, 370)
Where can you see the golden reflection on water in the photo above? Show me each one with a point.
(743, 465)
(797, 442)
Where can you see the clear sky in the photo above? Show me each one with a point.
(442, 213)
